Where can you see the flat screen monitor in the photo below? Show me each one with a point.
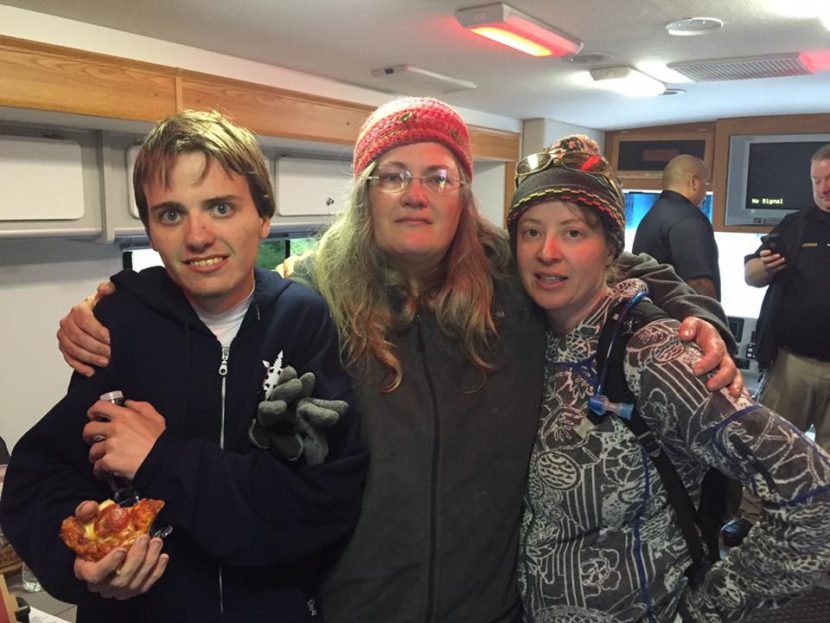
(769, 176)
(639, 202)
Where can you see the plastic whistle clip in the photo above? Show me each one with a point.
(600, 405)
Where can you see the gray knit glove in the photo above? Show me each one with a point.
(289, 421)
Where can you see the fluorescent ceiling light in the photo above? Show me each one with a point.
(504, 24)
(411, 76)
(627, 81)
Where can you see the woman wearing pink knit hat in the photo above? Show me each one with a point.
(447, 360)
(446, 355)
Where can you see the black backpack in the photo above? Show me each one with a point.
(700, 526)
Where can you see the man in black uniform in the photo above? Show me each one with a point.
(676, 232)
(793, 336)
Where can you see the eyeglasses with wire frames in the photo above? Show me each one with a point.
(579, 161)
(395, 181)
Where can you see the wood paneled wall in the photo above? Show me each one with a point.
(650, 180)
(777, 124)
(716, 134)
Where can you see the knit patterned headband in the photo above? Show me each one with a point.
(558, 182)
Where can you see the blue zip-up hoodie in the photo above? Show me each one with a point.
(252, 533)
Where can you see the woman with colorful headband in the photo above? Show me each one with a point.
(601, 537)
(446, 355)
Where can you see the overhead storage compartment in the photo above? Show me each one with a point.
(49, 183)
(311, 186)
(42, 179)
(307, 191)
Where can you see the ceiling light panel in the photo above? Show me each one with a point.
(502, 23)
(627, 81)
(418, 78)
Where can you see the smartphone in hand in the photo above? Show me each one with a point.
(772, 243)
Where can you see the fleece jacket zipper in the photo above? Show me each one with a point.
(223, 375)
(436, 447)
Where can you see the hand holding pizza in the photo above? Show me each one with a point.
(116, 557)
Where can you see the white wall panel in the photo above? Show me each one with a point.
(39, 281)
(488, 188)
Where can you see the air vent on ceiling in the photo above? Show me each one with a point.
(745, 68)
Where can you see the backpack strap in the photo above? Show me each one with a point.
(623, 321)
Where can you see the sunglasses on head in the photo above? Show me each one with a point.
(579, 161)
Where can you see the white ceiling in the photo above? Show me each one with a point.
(345, 39)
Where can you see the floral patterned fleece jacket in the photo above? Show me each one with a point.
(600, 541)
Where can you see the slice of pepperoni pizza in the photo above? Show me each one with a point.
(113, 527)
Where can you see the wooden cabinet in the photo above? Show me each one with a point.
(49, 77)
(51, 183)
(54, 78)
(271, 111)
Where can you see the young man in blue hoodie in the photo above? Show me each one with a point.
(195, 346)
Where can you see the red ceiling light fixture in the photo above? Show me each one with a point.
(504, 24)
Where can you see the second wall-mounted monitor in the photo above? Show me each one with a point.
(639, 202)
(769, 176)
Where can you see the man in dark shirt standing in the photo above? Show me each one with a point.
(793, 335)
(676, 232)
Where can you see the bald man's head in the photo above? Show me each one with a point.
(688, 176)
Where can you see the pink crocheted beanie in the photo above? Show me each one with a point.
(410, 120)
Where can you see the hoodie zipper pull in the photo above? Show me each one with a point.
(223, 365)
